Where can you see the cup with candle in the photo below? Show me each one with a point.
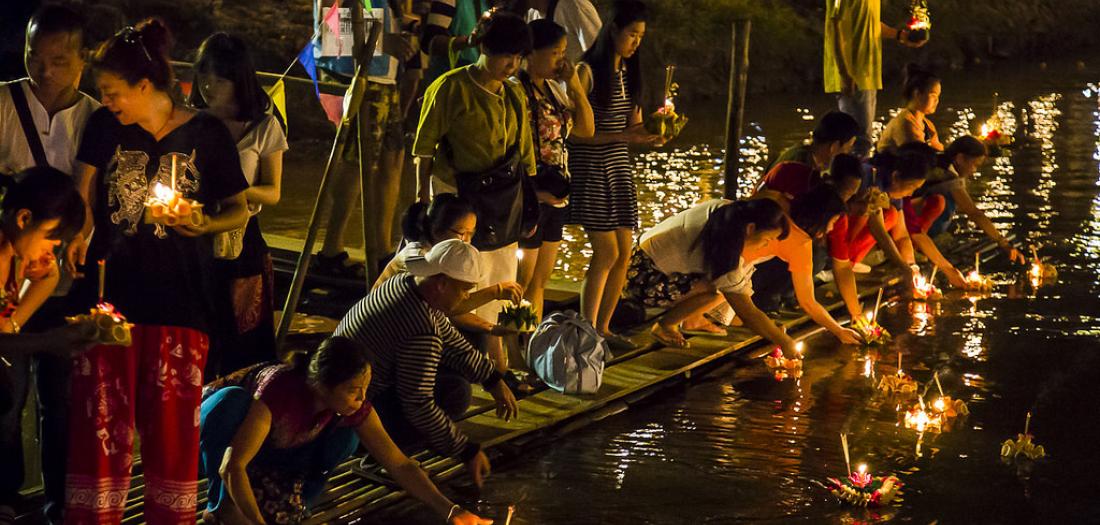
(168, 207)
(1023, 445)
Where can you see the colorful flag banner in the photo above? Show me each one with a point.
(308, 62)
(277, 92)
(333, 106)
(332, 20)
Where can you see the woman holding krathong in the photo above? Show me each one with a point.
(142, 145)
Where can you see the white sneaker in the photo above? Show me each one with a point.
(861, 268)
(825, 276)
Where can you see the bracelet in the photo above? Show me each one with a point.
(898, 37)
(456, 508)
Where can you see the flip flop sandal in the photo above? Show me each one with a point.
(720, 333)
(662, 335)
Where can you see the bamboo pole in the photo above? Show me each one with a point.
(735, 109)
(301, 269)
(368, 194)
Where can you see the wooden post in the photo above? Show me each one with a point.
(354, 106)
(735, 109)
(364, 52)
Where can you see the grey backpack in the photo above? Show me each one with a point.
(568, 354)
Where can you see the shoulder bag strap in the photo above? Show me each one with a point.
(29, 131)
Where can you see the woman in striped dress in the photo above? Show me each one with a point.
(604, 200)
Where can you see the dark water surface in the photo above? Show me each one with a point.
(739, 446)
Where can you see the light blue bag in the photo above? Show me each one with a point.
(567, 354)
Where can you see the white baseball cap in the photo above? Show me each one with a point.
(454, 258)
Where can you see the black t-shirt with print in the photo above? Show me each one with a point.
(155, 276)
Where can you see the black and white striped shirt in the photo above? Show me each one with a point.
(406, 341)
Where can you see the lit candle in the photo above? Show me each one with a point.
(511, 511)
(173, 172)
(102, 277)
(939, 404)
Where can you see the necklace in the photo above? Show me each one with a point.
(171, 114)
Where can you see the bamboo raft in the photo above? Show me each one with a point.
(628, 379)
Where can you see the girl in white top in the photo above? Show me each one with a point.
(693, 260)
(226, 86)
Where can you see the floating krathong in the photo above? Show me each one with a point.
(925, 289)
(665, 121)
(861, 488)
(898, 383)
(522, 317)
(921, 420)
(1041, 273)
(975, 280)
(867, 325)
(776, 359)
(1022, 445)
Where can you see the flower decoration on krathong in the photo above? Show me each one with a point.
(111, 326)
(665, 121)
(925, 289)
(1041, 273)
(975, 280)
(920, 21)
(861, 488)
(898, 383)
(522, 317)
(1022, 445)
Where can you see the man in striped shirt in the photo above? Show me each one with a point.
(422, 366)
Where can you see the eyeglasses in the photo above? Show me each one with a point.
(133, 36)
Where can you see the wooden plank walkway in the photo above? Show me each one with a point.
(628, 379)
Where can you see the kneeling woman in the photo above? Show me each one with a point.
(270, 434)
(696, 258)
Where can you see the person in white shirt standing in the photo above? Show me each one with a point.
(42, 118)
(579, 18)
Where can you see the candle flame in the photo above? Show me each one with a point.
(985, 130)
(798, 347)
(939, 404)
(867, 367)
(163, 193)
(862, 468)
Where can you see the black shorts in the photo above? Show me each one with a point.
(551, 224)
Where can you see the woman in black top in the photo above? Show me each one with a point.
(157, 276)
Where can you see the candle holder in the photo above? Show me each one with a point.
(111, 326)
(665, 121)
(169, 207)
(922, 420)
(522, 317)
(776, 361)
(920, 22)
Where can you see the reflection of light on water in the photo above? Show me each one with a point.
(670, 181)
(974, 337)
(1086, 243)
(631, 446)
(1043, 114)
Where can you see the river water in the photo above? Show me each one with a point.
(740, 446)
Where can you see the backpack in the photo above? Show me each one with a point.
(568, 354)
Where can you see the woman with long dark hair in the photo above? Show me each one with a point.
(226, 86)
(957, 164)
(271, 433)
(921, 92)
(811, 217)
(157, 275)
(556, 114)
(695, 259)
(604, 199)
